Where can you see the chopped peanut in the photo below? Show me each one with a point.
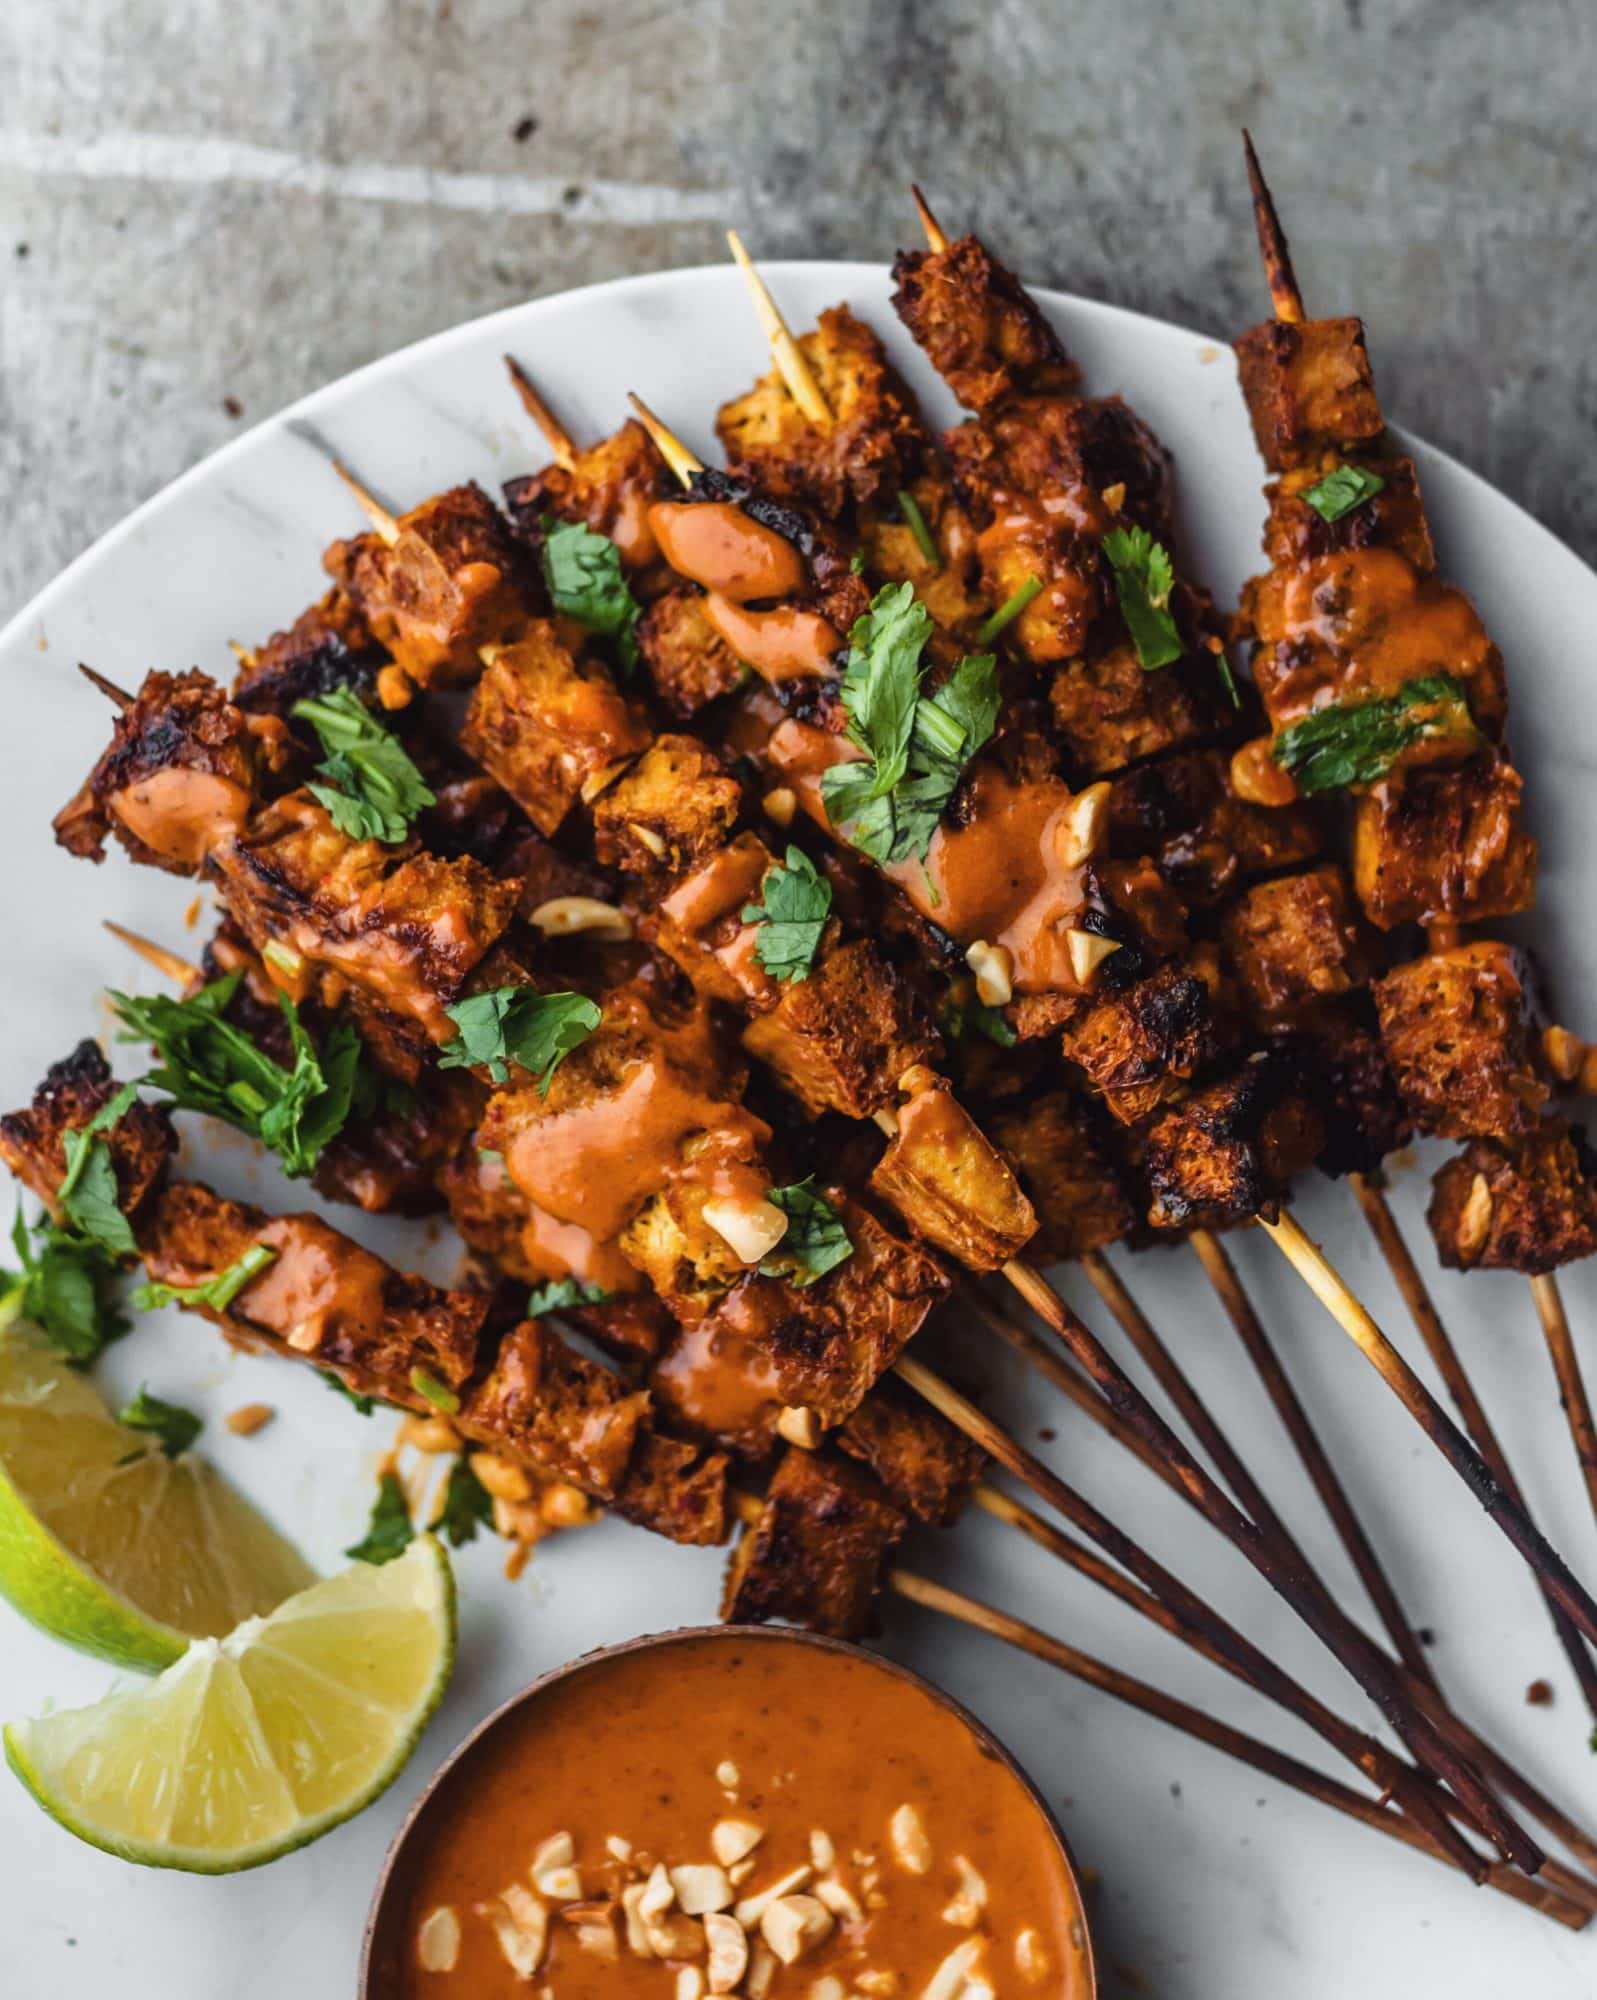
(793, 1925)
(728, 1951)
(251, 1418)
(732, 1839)
(438, 1940)
(907, 1831)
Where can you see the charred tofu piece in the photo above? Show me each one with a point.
(608, 488)
(388, 1162)
(399, 926)
(674, 807)
(1110, 711)
(676, 1489)
(977, 327)
(74, 1091)
(947, 1181)
(562, 1413)
(871, 449)
(840, 1038)
(184, 770)
(1460, 1028)
(817, 1555)
(1297, 942)
(700, 927)
(1444, 844)
(775, 1353)
(675, 1243)
(1309, 388)
(1229, 1151)
(1522, 1205)
(927, 1467)
(1181, 810)
(549, 728)
(445, 587)
(1297, 534)
(322, 1297)
(326, 648)
(1065, 1172)
(1364, 1115)
(688, 663)
(1099, 453)
(1140, 1047)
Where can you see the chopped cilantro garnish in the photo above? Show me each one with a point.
(64, 1287)
(363, 1404)
(816, 1241)
(90, 1197)
(431, 1390)
(1143, 582)
(1342, 489)
(916, 522)
(975, 1017)
(856, 562)
(211, 1066)
(796, 900)
(515, 1024)
(389, 1532)
(468, 1505)
(218, 1293)
(561, 1293)
(1357, 743)
(1009, 610)
(586, 582)
(374, 791)
(173, 1428)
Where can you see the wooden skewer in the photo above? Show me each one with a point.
(167, 963)
(936, 240)
(1390, 1773)
(1571, 1383)
(384, 523)
(562, 448)
(1204, 1728)
(789, 357)
(109, 689)
(682, 462)
(1284, 293)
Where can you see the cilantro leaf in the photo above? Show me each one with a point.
(431, 1390)
(1342, 489)
(468, 1505)
(89, 1194)
(63, 1286)
(586, 582)
(561, 1293)
(1356, 743)
(517, 1024)
(374, 790)
(816, 1241)
(881, 680)
(364, 1405)
(389, 1533)
(1144, 579)
(796, 900)
(975, 1017)
(173, 1428)
(966, 703)
(218, 1293)
(209, 1065)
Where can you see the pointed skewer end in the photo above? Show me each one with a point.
(555, 434)
(936, 238)
(109, 689)
(382, 521)
(670, 447)
(1273, 246)
(167, 963)
(791, 362)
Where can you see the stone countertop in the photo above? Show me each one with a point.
(206, 212)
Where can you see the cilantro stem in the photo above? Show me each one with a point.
(945, 732)
(439, 1394)
(909, 507)
(1009, 610)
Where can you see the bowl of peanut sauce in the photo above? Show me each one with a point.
(733, 1810)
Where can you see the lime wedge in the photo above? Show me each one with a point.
(106, 1542)
(254, 1744)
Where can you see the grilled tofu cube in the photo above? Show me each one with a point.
(1111, 712)
(608, 488)
(1228, 1152)
(1461, 1035)
(1065, 1172)
(327, 647)
(1444, 844)
(1297, 534)
(675, 807)
(1364, 1115)
(927, 1467)
(1526, 1204)
(1206, 841)
(548, 728)
(1141, 1046)
(944, 1178)
(948, 582)
(1045, 446)
(544, 1402)
(1297, 942)
(688, 663)
(73, 1093)
(699, 925)
(819, 1551)
(445, 588)
(1309, 388)
(976, 325)
(676, 1489)
(1026, 545)
(841, 1038)
(684, 1257)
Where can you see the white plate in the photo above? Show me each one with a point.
(1213, 1881)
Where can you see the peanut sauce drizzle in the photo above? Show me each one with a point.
(787, 643)
(182, 812)
(717, 544)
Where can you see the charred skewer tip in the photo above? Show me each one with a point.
(108, 688)
(682, 462)
(167, 963)
(936, 238)
(1273, 246)
(382, 521)
(790, 359)
(555, 434)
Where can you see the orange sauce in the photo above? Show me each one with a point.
(654, 1747)
(781, 645)
(717, 544)
(181, 813)
(318, 1290)
(715, 1378)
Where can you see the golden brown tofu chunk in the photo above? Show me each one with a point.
(1046, 447)
(976, 325)
(1110, 711)
(73, 1093)
(442, 590)
(840, 1038)
(870, 450)
(1444, 844)
(1296, 942)
(1229, 1151)
(1297, 534)
(548, 727)
(545, 1403)
(1308, 388)
(608, 488)
(1522, 1205)
(1460, 1028)
(1182, 811)
(947, 578)
(387, 1162)
(948, 1182)
(1139, 1047)
(1065, 1171)
(688, 663)
(676, 806)
(819, 1550)
(676, 1489)
(927, 1467)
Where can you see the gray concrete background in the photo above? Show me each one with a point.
(207, 210)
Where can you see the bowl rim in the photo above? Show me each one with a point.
(388, 1898)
